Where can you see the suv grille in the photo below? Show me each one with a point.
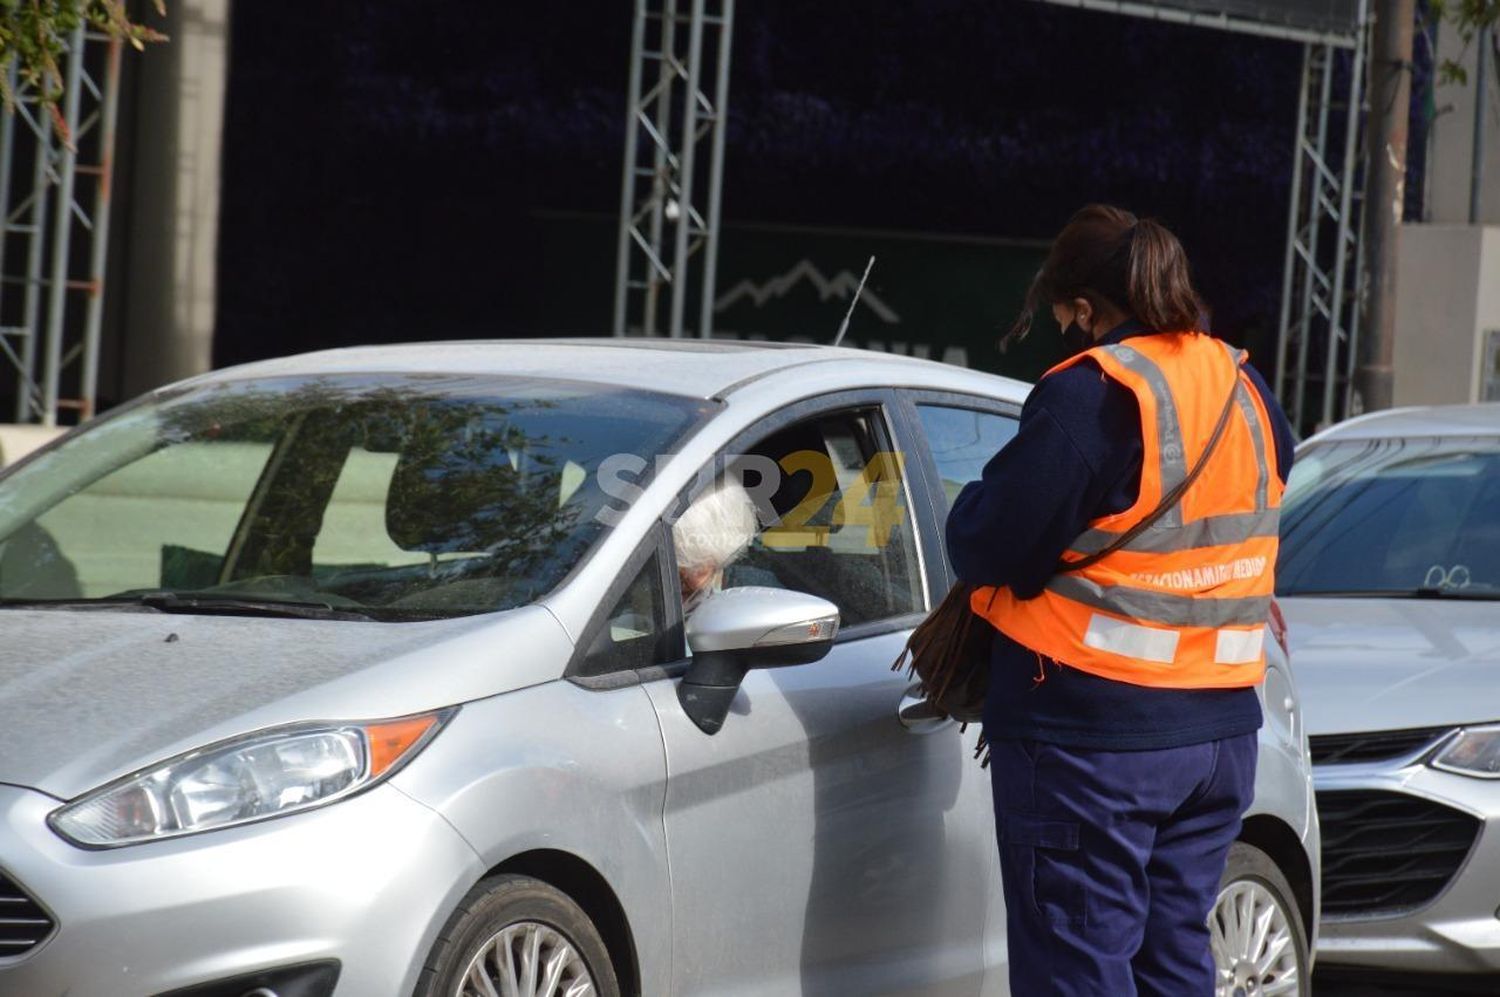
(1384, 852)
(23, 923)
(1372, 746)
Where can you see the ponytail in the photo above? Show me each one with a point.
(1109, 256)
(1159, 286)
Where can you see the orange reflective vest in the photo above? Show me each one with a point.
(1184, 605)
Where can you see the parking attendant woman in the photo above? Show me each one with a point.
(1124, 545)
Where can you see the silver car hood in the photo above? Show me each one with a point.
(1387, 664)
(89, 695)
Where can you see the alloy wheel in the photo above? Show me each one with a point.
(1255, 950)
(527, 959)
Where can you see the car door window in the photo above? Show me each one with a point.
(962, 441)
(835, 521)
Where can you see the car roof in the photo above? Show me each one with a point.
(1482, 419)
(695, 368)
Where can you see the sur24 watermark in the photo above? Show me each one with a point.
(826, 499)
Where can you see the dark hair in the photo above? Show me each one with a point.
(1108, 255)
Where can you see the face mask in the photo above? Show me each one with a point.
(1076, 338)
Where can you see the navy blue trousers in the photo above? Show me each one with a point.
(1111, 862)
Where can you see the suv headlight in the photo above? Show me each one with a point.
(1473, 751)
(248, 778)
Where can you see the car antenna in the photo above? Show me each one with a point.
(844, 326)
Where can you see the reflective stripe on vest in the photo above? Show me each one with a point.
(1149, 604)
(1168, 427)
(1183, 604)
(1215, 531)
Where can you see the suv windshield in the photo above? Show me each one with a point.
(1413, 517)
(384, 496)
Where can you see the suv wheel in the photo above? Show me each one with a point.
(1259, 941)
(514, 936)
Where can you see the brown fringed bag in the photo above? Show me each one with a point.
(950, 657)
(949, 654)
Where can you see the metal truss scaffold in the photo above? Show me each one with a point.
(669, 215)
(54, 230)
(1323, 284)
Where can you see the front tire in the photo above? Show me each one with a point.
(1259, 941)
(515, 936)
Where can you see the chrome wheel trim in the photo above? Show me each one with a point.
(1254, 945)
(527, 959)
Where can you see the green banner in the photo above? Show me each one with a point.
(944, 298)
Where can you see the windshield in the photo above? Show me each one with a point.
(401, 497)
(1396, 516)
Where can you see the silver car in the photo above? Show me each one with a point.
(1389, 578)
(366, 673)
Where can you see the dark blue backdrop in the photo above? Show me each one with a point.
(385, 164)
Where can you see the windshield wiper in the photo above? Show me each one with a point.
(23, 602)
(201, 602)
(1425, 592)
(236, 605)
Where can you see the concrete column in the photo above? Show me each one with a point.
(171, 244)
(1448, 310)
(1453, 140)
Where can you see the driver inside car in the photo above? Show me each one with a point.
(712, 533)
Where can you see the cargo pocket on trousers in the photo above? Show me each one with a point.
(1044, 854)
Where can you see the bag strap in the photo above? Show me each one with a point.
(1168, 500)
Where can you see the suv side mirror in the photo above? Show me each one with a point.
(743, 628)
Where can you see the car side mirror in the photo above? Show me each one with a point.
(749, 627)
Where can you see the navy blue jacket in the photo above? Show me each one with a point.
(1077, 456)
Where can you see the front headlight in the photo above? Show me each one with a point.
(1474, 751)
(245, 779)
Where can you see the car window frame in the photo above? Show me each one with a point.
(890, 432)
(936, 500)
(657, 540)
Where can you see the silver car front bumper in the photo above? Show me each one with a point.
(1456, 932)
(367, 881)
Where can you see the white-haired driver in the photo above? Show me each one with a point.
(713, 531)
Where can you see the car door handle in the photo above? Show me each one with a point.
(918, 715)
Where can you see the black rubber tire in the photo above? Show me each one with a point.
(491, 906)
(1246, 862)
